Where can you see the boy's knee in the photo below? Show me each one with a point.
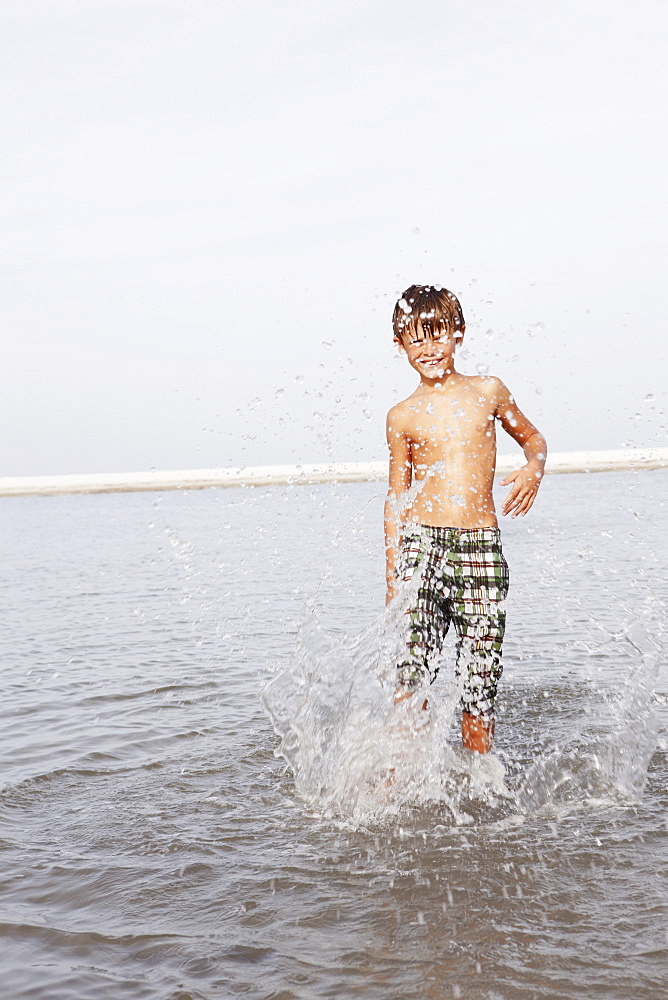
(411, 676)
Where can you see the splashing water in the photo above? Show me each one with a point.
(353, 752)
(357, 756)
(609, 756)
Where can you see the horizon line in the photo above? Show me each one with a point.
(308, 473)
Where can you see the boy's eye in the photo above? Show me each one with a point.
(434, 336)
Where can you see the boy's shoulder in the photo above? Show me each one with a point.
(491, 387)
(401, 412)
(484, 385)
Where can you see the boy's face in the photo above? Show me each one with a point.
(431, 355)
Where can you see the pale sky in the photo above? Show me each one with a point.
(211, 207)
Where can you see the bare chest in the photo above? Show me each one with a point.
(442, 424)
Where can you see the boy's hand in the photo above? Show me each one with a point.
(525, 487)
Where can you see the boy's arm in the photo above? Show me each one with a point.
(399, 481)
(525, 481)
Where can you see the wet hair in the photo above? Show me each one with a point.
(436, 309)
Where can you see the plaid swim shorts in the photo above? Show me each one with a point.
(464, 580)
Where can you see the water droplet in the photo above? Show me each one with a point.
(482, 369)
(368, 414)
(299, 378)
(539, 391)
(649, 398)
(536, 328)
(327, 344)
(489, 333)
(279, 393)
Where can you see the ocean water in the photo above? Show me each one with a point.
(205, 792)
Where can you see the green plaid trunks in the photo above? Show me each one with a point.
(464, 580)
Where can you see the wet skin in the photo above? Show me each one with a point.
(477, 734)
(444, 437)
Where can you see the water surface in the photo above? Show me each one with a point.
(153, 844)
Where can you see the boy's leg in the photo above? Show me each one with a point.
(427, 620)
(477, 734)
(479, 618)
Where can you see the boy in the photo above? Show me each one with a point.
(442, 439)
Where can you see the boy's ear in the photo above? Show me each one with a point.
(459, 338)
(399, 343)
